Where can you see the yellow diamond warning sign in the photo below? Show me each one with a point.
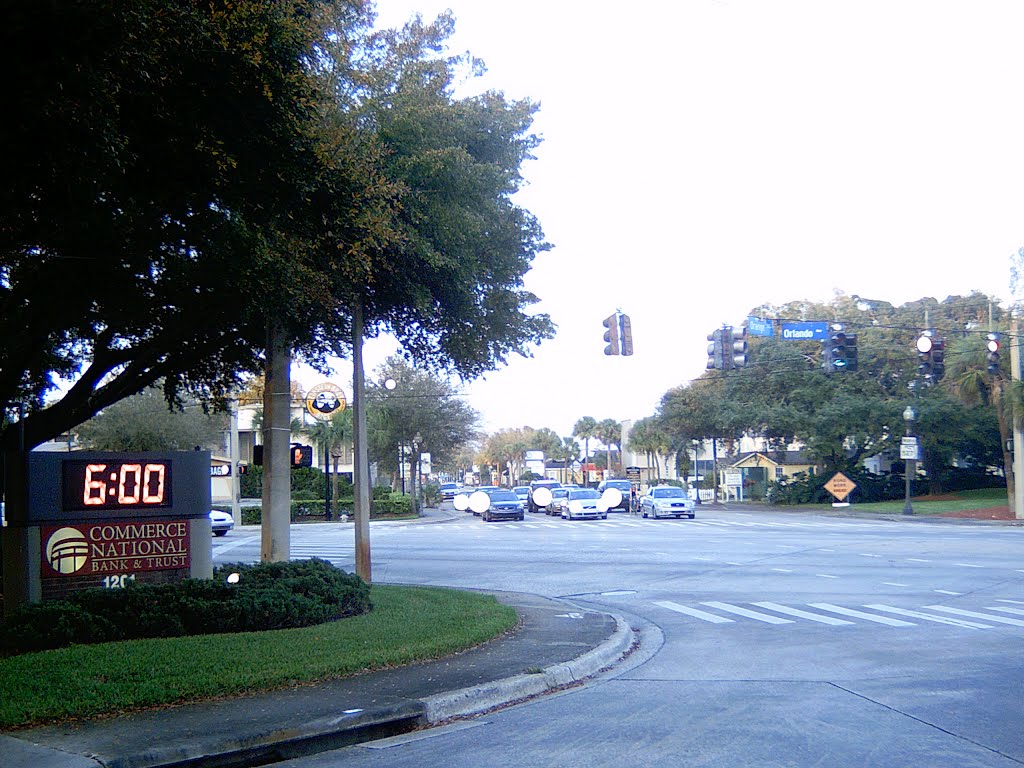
(840, 486)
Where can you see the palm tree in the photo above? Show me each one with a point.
(330, 435)
(586, 428)
(972, 383)
(610, 433)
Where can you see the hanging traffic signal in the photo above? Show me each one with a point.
(626, 335)
(925, 361)
(993, 353)
(735, 339)
(938, 359)
(611, 336)
(851, 352)
(838, 345)
(715, 356)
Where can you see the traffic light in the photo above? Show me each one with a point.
(851, 352)
(626, 335)
(611, 336)
(938, 359)
(302, 455)
(993, 353)
(838, 348)
(736, 341)
(839, 351)
(715, 352)
(925, 361)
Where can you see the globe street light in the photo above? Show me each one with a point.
(910, 464)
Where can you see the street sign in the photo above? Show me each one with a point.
(908, 441)
(908, 451)
(804, 331)
(734, 478)
(840, 486)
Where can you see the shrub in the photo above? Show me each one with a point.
(267, 596)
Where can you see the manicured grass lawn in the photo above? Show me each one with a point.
(925, 505)
(954, 502)
(407, 624)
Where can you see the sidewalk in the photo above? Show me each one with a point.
(557, 644)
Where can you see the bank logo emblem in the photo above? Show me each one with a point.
(67, 550)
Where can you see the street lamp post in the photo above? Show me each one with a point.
(910, 464)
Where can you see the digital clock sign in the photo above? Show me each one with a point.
(107, 485)
(132, 484)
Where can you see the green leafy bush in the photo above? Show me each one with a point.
(266, 596)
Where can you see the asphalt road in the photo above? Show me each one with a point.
(769, 639)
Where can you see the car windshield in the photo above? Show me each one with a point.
(584, 493)
(670, 493)
(521, 489)
(503, 496)
(559, 493)
(622, 485)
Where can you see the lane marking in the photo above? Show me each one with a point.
(1005, 600)
(894, 584)
(928, 617)
(782, 570)
(1016, 611)
(747, 613)
(803, 614)
(947, 592)
(917, 560)
(695, 613)
(861, 615)
(967, 565)
(976, 615)
(825, 576)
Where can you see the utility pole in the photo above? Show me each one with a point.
(277, 396)
(361, 460)
(1018, 425)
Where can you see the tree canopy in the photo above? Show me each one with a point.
(186, 173)
(785, 396)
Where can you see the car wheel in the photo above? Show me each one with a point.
(692, 517)
(604, 517)
(522, 517)
(220, 533)
(643, 512)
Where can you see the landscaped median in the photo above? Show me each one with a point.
(407, 624)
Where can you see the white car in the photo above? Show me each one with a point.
(581, 503)
(667, 501)
(221, 522)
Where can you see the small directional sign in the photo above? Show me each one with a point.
(840, 486)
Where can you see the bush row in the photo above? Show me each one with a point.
(302, 510)
(810, 489)
(266, 596)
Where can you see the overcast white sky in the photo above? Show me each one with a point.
(702, 157)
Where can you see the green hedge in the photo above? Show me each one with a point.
(267, 596)
(306, 510)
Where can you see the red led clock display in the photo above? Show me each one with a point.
(99, 485)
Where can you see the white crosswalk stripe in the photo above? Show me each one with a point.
(803, 614)
(747, 613)
(976, 615)
(861, 615)
(695, 612)
(928, 617)
(711, 611)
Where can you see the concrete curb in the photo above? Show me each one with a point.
(475, 699)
